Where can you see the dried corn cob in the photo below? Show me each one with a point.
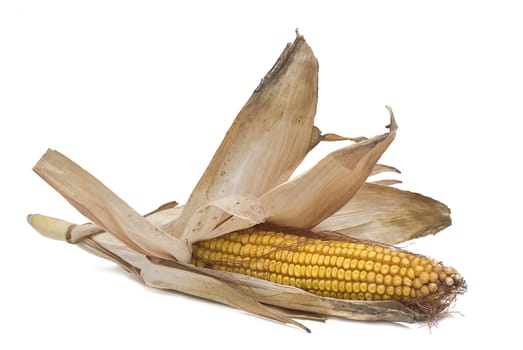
(334, 266)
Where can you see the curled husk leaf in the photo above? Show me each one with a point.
(247, 183)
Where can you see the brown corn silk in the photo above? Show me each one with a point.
(247, 184)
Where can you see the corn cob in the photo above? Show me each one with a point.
(336, 267)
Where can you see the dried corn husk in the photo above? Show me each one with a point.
(247, 183)
(306, 201)
(90, 197)
(268, 139)
(387, 214)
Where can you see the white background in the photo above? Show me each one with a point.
(141, 93)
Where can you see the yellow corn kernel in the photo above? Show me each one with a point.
(380, 289)
(315, 271)
(339, 261)
(321, 272)
(371, 277)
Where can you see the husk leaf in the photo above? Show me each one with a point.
(388, 215)
(98, 203)
(269, 137)
(310, 198)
